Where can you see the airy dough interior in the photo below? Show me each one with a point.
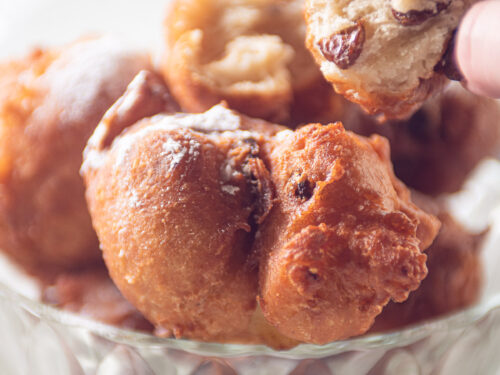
(394, 57)
(247, 45)
(251, 63)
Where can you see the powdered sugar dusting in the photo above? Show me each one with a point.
(230, 189)
(217, 118)
(240, 134)
(227, 171)
(171, 146)
(171, 150)
(85, 72)
(215, 123)
(122, 146)
(176, 150)
(284, 134)
(134, 201)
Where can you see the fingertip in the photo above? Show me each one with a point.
(463, 42)
(478, 48)
(473, 88)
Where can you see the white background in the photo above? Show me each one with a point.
(26, 23)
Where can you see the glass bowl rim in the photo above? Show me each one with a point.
(402, 337)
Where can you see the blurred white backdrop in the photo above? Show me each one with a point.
(27, 23)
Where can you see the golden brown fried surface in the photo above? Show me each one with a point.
(174, 233)
(50, 103)
(174, 201)
(178, 201)
(435, 150)
(454, 279)
(249, 53)
(342, 239)
(92, 294)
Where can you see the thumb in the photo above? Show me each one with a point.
(478, 48)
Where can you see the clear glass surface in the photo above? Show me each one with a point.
(36, 339)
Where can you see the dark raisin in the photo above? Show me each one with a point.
(417, 17)
(447, 65)
(312, 275)
(344, 47)
(404, 271)
(254, 147)
(304, 190)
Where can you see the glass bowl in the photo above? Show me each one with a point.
(39, 339)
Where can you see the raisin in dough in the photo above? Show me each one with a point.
(387, 55)
(174, 200)
(343, 237)
(191, 208)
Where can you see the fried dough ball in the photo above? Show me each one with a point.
(454, 279)
(341, 240)
(435, 150)
(175, 200)
(50, 102)
(250, 53)
(157, 199)
(92, 294)
(387, 56)
(178, 201)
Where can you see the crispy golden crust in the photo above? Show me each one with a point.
(92, 294)
(157, 278)
(435, 150)
(341, 239)
(175, 208)
(178, 201)
(207, 40)
(392, 107)
(455, 274)
(50, 103)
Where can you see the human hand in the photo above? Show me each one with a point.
(478, 48)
